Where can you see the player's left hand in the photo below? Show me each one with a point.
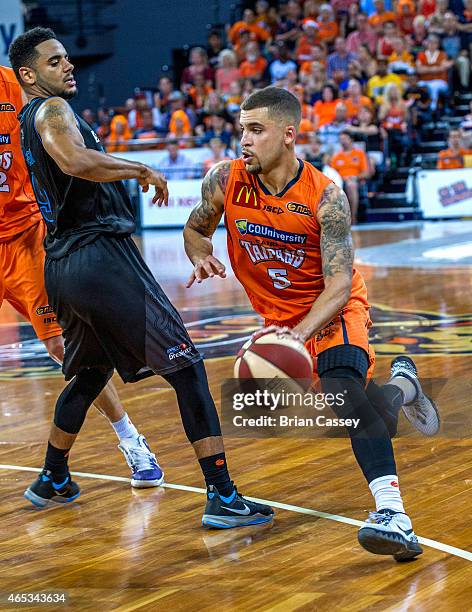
(161, 197)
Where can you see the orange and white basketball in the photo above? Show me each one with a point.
(275, 355)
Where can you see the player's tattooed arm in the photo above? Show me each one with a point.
(334, 217)
(205, 217)
(203, 222)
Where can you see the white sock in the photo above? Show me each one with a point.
(407, 387)
(124, 428)
(387, 493)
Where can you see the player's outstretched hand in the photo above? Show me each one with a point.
(206, 268)
(283, 331)
(161, 197)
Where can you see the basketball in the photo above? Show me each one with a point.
(275, 355)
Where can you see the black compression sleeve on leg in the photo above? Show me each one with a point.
(196, 405)
(77, 397)
(370, 440)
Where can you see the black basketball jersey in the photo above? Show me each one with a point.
(75, 210)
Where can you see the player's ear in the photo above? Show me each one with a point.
(27, 75)
(290, 134)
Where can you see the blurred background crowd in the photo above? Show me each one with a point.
(383, 84)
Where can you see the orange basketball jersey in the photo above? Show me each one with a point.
(274, 242)
(18, 208)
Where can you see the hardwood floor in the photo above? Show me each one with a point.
(122, 549)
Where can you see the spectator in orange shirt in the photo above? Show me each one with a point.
(180, 128)
(315, 80)
(324, 110)
(432, 66)
(254, 66)
(327, 27)
(147, 132)
(199, 91)
(406, 15)
(380, 16)
(307, 42)
(318, 54)
(120, 134)
(227, 71)
(353, 165)
(355, 100)
(249, 24)
(453, 157)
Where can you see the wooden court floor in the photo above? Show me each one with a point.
(121, 549)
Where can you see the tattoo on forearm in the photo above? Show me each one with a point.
(205, 217)
(334, 216)
(56, 119)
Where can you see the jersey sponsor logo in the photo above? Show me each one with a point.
(275, 210)
(29, 157)
(299, 209)
(179, 350)
(97, 139)
(259, 253)
(5, 139)
(43, 310)
(245, 195)
(248, 228)
(7, 107)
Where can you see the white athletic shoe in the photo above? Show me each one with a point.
(422, 412)
(146, 472)
(389, 533)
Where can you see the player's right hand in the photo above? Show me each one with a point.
(206, 268)
(160, 183)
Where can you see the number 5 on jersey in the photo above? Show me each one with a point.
(279, 277)
(5, 163)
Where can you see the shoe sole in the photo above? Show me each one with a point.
(388, 543)
(416, 422)
(41, 502)
(147, 484)
(228, 522)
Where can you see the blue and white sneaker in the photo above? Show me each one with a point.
(146, 472)
(239, 512)
(422, 412)
(44, 489)
(387, 532)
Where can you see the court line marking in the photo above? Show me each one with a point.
(452, 550)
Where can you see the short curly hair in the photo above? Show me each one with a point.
(22, 51)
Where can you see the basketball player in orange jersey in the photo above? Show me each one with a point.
(290, 246)
(22, 233)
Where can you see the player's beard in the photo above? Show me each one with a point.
(254, 168)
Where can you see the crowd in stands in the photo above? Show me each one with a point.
(370, 76)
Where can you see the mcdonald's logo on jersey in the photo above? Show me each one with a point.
(245, 195)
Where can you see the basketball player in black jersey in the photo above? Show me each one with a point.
(113, 312)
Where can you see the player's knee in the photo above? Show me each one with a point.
(75, 400)
(55, 348)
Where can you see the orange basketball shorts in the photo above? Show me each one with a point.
(350, 326)
(22, 280)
